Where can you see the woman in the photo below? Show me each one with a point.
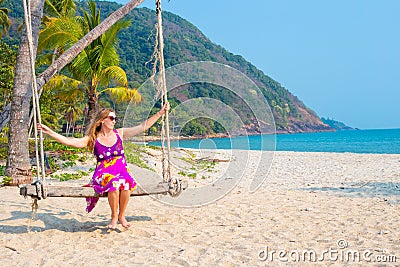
(111, 174)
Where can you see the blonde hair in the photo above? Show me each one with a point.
(95, 126)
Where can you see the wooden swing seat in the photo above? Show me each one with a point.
(77, 191)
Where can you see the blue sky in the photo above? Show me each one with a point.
(341, 58)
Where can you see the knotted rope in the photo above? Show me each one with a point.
(40, 166)
(158, 56)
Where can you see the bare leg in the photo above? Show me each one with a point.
(123, 204)
(113, 200)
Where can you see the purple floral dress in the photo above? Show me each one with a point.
(112, 172)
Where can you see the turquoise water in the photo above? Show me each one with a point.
(359, 141)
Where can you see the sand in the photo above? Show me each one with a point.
(330, 208)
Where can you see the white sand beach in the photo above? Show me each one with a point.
(330, 204)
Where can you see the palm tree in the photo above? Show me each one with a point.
(71, 113)
(96, 67)
(70, 94)
(58, 9)
(4, 19)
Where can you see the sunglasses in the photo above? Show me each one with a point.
(112, 118)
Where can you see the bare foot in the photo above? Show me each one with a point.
(124, 222)
(113, 224)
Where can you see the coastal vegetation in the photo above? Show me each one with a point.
(337, 125)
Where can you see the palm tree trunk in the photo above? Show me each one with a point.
(18, 165)
(5, 116)
(85, 113)
(67, 128)
(73, 128)
(92, 107)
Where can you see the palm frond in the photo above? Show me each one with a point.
(109, 54)
(123, 94)
(94, 54)
(58, 8)
(66, 88)
(108, 57)
(4, 20)
(43, 60)
(51, 9)
(60, 32)
(114, 73)
(81, 67)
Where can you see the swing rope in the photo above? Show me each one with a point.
(40, 168)
(161, 84)
(162, 89)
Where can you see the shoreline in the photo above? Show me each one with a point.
(153, 138)
(349, 141)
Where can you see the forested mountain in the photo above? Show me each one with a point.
(186, 43)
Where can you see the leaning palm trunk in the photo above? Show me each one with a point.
(18, 165)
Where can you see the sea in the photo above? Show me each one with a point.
(380, 141)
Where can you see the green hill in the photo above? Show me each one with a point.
(337, 125)
(186, 43)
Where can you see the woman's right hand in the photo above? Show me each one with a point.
(43, 128)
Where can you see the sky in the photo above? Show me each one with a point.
(340, 57)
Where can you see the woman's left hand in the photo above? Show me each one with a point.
(164, 109)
